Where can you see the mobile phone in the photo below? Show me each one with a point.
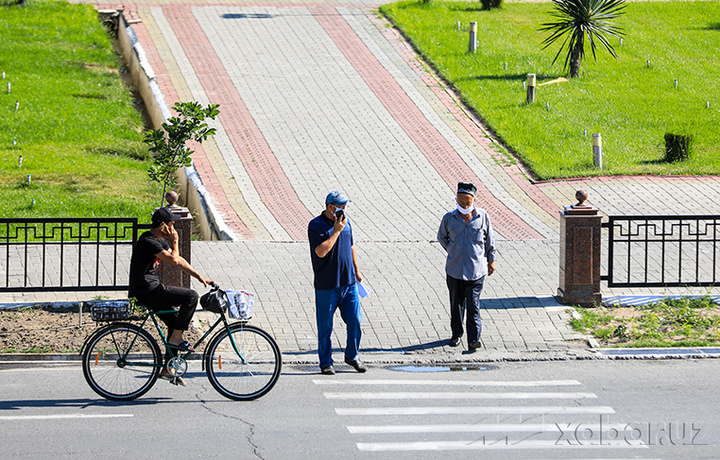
(339, 214)
(164, 229)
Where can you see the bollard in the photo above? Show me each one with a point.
(597, 150)
(472, 46)
(676, 83)
(17, 105)
(29, 179)
(20, 162)
(8, 87)
(530, 98)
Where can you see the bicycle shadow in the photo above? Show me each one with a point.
(82, 403)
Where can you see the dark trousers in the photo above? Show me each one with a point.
(167, 298)
(465, 295)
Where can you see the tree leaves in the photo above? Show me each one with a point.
(168, 144)
(578, 20)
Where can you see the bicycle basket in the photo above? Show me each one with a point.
(215, 301)
(241, 303)
(111, 310)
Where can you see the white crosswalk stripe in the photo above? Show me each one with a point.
(390, 421)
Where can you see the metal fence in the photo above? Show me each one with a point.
(663, 251)
(66, 254)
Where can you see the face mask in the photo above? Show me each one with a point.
(464, 211)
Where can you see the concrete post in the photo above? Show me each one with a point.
(174, 276)
(472, 46)
(597, 150)
(580, 253)
(531, 83)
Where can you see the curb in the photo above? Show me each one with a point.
(25, 360)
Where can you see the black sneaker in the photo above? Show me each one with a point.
(474, 345)
(356, 364)
(454, 341)
(329, 370)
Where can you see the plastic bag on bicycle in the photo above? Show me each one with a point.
(241, 303)
(215, 301)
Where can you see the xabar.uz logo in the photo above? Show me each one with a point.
(634, 433)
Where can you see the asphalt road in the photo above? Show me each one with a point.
(647, 409)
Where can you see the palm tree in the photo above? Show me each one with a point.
(577, 20)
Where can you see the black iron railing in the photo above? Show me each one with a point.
(663, 251)
(66, 254)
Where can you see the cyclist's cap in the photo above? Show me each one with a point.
(163, 216)
(336, 197)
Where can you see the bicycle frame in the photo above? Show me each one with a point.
(154, 314)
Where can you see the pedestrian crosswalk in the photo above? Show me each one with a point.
(395, 415)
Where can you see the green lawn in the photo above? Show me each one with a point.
(630, 104)
(76, 128)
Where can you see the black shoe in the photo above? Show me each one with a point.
(356, 364)
(455, 341)
(474, 345)
(329, 370)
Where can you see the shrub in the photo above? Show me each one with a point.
(678, 147)
(490, 4)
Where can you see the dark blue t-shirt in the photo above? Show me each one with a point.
(336, 269)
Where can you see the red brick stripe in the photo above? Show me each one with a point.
(200, 160)
(426, 137)
(255, 154)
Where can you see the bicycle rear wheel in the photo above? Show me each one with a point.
(121, 361)
(250, 375)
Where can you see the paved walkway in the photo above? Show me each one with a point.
(323, 95)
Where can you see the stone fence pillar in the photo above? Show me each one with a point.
(174, 276)
(580, 233)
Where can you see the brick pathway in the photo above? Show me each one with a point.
(322, 95)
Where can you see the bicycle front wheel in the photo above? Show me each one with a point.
(243, 364)
(121, 361)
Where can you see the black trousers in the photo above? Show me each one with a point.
(167, 298)
(465, 295)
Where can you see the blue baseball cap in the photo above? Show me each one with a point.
(337, 198)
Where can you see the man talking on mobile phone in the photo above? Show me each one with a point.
(158, 244)
(336, 276)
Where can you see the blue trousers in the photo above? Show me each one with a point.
(465, 295)
(326, 302)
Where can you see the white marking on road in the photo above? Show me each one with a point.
(482, 444)
(473, 428)
(529, 383)
(453, 395)
(62, 416)
(474, 410)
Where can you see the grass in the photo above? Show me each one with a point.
(76, 128)
(630, 104)
(679, 322)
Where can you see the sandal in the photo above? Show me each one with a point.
(182, 346)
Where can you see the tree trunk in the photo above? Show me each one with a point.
(575, 56)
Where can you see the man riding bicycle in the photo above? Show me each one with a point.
(158, 244)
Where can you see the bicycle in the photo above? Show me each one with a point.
(122, 361)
